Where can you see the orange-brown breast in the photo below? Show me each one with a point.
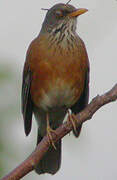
(58, 73)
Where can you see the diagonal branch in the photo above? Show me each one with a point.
(29, 164)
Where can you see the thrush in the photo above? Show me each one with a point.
(55, 79)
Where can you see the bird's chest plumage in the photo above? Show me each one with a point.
(57, 78)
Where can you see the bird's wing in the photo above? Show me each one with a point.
(81, 103)
(83, 100)
(27, 105)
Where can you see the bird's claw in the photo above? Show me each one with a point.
(73, 119)
(49, 134)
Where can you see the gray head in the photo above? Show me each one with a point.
(61, 17)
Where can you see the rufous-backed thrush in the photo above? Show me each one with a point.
(55, 79)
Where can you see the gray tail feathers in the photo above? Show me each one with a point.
(78, 130)
(51, 161)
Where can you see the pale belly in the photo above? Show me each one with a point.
(58, 96)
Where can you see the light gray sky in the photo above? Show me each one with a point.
(94, 155)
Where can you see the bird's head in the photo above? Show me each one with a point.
(61, 17)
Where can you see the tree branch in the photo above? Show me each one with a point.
(29, 164)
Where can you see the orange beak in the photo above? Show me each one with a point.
(78, 12)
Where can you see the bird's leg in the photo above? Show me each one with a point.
(49, 131)
(73, 119)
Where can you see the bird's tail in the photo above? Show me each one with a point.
(51, 161)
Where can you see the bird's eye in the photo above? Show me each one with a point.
(58, 13)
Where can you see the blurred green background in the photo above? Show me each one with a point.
(9, 112)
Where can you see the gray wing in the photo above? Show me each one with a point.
(27, 105)
(82, 102)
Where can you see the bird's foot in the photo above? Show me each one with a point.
(73, 119)
(49, 134)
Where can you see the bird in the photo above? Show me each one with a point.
(55, 79)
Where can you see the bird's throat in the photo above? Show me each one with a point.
(63, 35)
